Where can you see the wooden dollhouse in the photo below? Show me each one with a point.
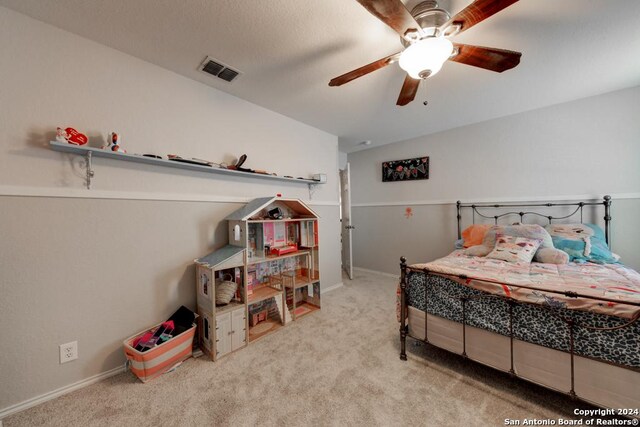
(272, 256)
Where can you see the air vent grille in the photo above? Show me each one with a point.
(218, 69)
(228, 74)
(213, 67)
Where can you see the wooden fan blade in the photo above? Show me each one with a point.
(408, 91)
(393, 13)
(352, 75)
(489, 58)
(477, 12)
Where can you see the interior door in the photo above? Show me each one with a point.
(238, 336)
(347, 227)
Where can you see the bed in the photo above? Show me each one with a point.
(569, 327)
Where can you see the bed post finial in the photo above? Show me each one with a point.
(403, 308)
(607, 219)
(458, 203)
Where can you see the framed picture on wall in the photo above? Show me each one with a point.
(405, 170)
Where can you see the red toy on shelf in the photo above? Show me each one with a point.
(284, 249)
(71, 136)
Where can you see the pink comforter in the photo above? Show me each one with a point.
(612, 281)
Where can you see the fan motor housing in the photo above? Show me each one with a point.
(429, 16)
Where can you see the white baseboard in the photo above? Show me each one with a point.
(325, 290)
(29, 403)
(382, 273)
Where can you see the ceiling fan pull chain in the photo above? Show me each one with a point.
(424, 85)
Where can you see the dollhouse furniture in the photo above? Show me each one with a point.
(273, 261)
(260, 316)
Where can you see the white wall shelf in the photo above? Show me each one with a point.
(89, 152)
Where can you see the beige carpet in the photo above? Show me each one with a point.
(338, 366)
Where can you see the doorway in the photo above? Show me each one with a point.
(345, 221)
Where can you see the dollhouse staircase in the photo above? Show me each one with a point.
(287, 313)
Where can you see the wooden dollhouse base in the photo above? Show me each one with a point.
(303, 308)
(264, 328)
(261, 328)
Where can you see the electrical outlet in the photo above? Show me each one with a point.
(68, 352)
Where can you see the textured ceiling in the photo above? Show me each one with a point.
(288, 51)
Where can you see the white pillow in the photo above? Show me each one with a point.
(514, 249)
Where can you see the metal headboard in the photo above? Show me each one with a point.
(579, 206)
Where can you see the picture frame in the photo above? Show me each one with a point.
(413, 169)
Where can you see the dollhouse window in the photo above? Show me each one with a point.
(205, 284)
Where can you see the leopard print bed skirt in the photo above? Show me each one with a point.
(531, 323)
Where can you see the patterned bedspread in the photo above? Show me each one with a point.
(612, 281)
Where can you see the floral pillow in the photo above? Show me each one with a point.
(514, 249)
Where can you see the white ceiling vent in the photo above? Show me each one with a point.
(216, 68)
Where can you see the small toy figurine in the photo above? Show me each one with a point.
(61, 135)
(71, 136)
(114, 143)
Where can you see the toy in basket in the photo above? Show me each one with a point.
(225, 289)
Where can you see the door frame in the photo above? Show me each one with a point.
(346, 222)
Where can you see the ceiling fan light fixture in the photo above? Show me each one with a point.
(425, 57)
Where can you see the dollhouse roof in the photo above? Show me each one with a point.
(219, 256)
(254, 207)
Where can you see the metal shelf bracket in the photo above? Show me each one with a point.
(312, 189)
(88, 166)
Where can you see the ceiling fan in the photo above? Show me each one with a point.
(425, 33)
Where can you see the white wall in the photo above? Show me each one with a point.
(585, 148)
(342, 160)
(98, 265)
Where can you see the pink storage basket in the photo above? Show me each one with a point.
(158, 360)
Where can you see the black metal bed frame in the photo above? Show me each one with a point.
(571, 324)
(606, 202)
